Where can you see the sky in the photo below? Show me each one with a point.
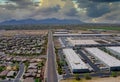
(89, 11)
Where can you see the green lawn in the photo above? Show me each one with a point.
(106, 28)
(37, 80)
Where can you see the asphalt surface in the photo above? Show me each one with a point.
(97, 45)
(51, 63)
(96, 69)
(20, 73)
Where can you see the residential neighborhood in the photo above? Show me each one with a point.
(22, 57)
(22, 44)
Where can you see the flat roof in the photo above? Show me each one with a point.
(81, 42)
(60, 32)
(77, 34)
(61, 42)
(104, 57)
(116, 49)
(74, 60)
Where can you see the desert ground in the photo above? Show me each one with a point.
(110, 79)
(31, 32)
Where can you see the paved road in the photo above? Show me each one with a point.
(97, 45)
(20, 73)
(51, 68)
(96, 69)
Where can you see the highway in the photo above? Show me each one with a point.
(51, 63)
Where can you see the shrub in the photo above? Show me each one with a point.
(87, 77)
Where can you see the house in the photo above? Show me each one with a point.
(4, 73)
(32, 66)
(11, 74)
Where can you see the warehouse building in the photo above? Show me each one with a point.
(110, 61)
(81, 42)
(114, 50)
(61, 42)
(61, 31)
(81, 35)
(74, 61)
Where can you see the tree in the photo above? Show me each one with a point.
(59, 70)
(2, 68)
(26, 64)
(40, 64)
(62, 63)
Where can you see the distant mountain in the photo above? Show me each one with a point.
(44, 21)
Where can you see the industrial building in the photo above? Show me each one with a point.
(74, 61)
(110, 61)
(81, 42)
(80, 35)
(62, 31)
(114, 50)
(61, 42)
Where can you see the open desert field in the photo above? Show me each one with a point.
(110, 79)
(31, 32)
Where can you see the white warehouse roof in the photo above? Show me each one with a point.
(60, 32)
(80, 42)
(104, 57)
(77, 34)
(74, 60)
(116, 49)
(61, 42)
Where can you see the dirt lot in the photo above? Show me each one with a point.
(32, 32)
(110, 79)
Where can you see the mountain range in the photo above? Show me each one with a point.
(43, 21)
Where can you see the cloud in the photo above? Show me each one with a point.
(46, 11)
(85, 10)
(105, 0)
(97, 11)
(110, 17)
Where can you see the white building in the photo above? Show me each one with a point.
(81, 42)
(114, 50)
(74, 61)
(11, 74)
(77, 34)
(65, 32)
(61, 42)
(110, 61)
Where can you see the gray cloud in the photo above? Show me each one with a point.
(84, 10)
(46, 11)
(97, 11)
(71, 12)
(105, 0)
